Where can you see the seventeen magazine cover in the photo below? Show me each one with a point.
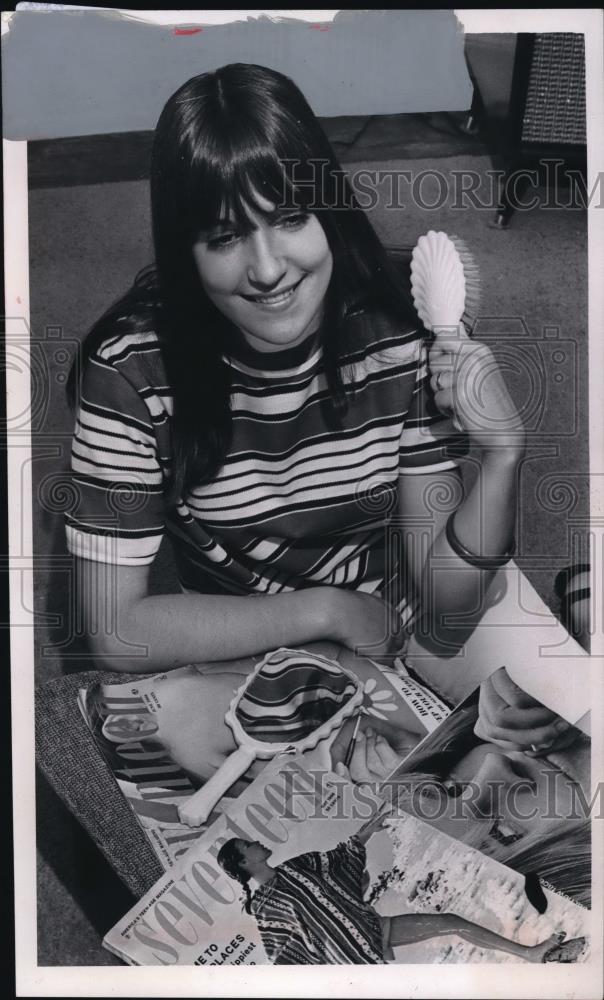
(307, 867)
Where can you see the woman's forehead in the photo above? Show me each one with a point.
(254, 209)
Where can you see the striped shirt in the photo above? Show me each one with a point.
(297, 502)
(312, 911)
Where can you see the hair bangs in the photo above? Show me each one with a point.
(224, 186)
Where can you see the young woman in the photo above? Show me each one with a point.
(310, 910)
(265, 396)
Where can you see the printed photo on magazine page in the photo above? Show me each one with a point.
(163, 737)
(508, 777)
(308, 867)
(305, 449)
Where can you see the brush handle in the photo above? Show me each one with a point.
(448, 333)
(353, 740)
(198, 807)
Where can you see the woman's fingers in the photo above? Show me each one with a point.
(443, 361)
(388, 757)
(537, 738)
(441, 381)
(373, 758)
(496, 713)
(508, 716)
(560, 742)
(476, 393)
(509, 690)
(374, 761)
(342, 770)
(358, 767)
(511, 719)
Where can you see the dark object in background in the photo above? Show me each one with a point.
(534, 892)
(543, 115)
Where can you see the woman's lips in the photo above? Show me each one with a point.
(276, 299)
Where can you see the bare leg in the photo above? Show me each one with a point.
(410, 928)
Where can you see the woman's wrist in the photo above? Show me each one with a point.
(486, 561)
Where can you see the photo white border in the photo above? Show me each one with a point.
(468, 981)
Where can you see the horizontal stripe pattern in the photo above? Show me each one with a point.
(300, 500)
(292, 694)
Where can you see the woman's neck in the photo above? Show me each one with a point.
(263, 873)
(284, 358)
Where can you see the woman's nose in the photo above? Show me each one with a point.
(266, 265)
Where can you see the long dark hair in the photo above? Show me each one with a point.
(229, 858)
(223, 138)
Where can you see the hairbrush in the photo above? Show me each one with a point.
(445, 283)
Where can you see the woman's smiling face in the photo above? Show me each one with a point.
(270, 281)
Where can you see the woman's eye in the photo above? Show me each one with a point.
(221, 241)
(293, 221)
(453, 788)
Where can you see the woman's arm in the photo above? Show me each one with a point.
(446, 584)
(469, 387)
(133, 631)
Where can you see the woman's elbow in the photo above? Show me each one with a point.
(117, 651)
(109, 600)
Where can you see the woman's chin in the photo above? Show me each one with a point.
(270, 337)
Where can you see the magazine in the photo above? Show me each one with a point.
(409, 858)
(530, 809)
(165, 736)
(339, 876)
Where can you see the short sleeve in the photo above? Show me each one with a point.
(118, 511)
(429, 441)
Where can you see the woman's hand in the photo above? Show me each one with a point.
(363, 622)
(373, 759)
(512, 719)
(376, 822)
(469, 387)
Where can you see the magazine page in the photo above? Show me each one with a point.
(122, 720)
(275, 810)
(164, 736)
(508, 777)
(308, 867)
